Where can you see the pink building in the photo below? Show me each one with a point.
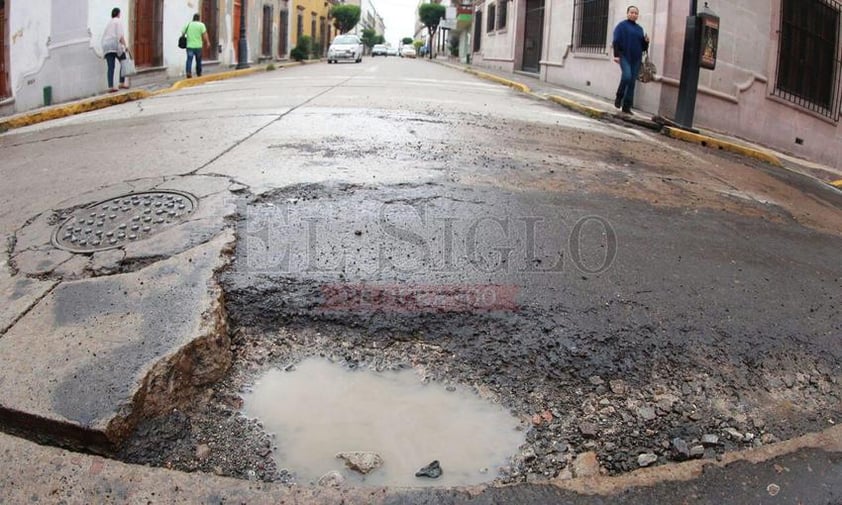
(778, 78)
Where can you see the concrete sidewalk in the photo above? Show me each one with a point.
(603, 109)
(147, 89)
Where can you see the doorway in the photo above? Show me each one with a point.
(148, 33)
(4, 52)
(283, 34)
(266, 45)
(210, 16)
(235, 24)
(533, 35)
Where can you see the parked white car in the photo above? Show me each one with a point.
(380, 50)
(345, 47)
(407, 51)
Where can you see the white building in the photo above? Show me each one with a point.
(53, 46)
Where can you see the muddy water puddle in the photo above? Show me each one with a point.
(319, 409)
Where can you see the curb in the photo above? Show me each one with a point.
(100, 102)
(195, 81)
(578, 107)
(722, 145)
(491, 77)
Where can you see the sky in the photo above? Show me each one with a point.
(399, 17)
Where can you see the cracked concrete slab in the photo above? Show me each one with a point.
(19, 294)
(199, 185)
(103, 352)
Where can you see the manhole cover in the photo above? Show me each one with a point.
(124, 219)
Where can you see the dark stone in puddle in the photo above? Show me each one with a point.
(433, 470)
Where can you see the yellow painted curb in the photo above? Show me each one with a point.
(195, 81)
(707, 141)
(99, 102)
(578, 107)
(491, 77)
(837, 184)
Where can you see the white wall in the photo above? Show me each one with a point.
(29, 30)
(176, 15)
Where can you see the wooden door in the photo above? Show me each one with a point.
(148, 27)
(4, 51)
(238, 5)
(266, 46)
(283, 34)
(210, 16)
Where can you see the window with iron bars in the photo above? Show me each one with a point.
(489, 27)
(502, 13)
(590, 26)
(809, 58)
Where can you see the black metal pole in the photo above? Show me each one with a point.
(688, 87)
(243, 50)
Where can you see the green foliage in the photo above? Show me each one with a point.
(368, 37)
(454, 45)
(270, 67)
(316, 50)
(379, 39)
(430, 15)
(407, 40)
(345, 17)
(302, 49)
(417, 44)
(297, 54)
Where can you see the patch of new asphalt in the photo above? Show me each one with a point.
(598, 109)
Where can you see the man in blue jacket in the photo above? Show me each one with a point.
(629, 44)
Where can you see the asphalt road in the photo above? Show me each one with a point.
(638, 289)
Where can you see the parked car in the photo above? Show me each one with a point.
(392, 51)
(380, 50)
(345, 47)
(407, 52)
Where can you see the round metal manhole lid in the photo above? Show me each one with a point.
(116, 222)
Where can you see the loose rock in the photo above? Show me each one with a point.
(710, 440)
(646, 459)
(680, 451)
(331, 479)
(588, 429)
(361, 461)
(432, 471)
(585, 465)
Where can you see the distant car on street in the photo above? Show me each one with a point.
(407, 52)
(380, 50)
(345, 47)
(392, 51)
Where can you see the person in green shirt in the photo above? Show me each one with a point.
(197, 39)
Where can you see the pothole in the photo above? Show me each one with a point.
(128, 218)
(319, 409)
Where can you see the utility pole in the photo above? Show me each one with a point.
(685, 109)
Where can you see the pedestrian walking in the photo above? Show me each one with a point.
(629, 44)
(197, 39)
(114, 47)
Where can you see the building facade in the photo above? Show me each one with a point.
(777, 81)
(52, 47)
(311, 18)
